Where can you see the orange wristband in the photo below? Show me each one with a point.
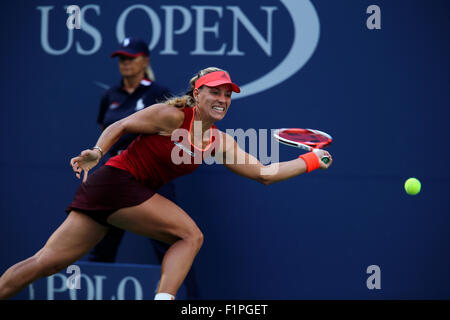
(312, 161)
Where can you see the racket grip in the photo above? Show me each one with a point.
(324, 159)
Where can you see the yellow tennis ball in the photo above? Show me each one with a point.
(412, 186)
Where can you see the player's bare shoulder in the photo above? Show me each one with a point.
(171, 117)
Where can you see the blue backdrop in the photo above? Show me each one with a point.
(383, 95)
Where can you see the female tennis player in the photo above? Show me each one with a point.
(121, 192)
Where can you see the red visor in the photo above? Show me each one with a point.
(215, 79)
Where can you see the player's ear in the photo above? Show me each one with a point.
(195, 93)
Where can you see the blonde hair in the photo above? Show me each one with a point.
(149, 73)
(187, 100)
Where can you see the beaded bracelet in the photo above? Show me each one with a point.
(99, 149)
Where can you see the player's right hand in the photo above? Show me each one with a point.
(323, 153)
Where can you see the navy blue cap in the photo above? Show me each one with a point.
(132, 47)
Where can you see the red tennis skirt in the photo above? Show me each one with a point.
(107, 190)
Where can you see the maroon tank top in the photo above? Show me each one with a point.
(155, 159)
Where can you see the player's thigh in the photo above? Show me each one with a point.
(73, 239)
(157, 218)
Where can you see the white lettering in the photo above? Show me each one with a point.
(51, 285)
(208, 35)
(239, 16)
(154, 20)
(44, 33)
(31, 291)
(201, 29)
(73, 282)
(373, 21)
(138, 295)
(177, 155)
(89, 29)
(374, 281)
(274, 157)
(198, 141)
(241, 136)
(74, 19)
(190, 309)
(306, 38)
(99, 287)
(89, 286)
(169, 32)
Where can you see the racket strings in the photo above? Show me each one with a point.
(314, 139)
(306, 138)
(303, 138)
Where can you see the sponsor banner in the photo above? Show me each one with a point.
(98, 281)
(263, 44)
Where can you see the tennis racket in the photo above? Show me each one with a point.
(306, 139)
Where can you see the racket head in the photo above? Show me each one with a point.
(307, 139)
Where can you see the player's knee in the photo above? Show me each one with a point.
(199, 239)
(195, 238)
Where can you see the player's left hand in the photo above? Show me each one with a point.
(85, 162)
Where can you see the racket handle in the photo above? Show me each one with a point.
(324, 159)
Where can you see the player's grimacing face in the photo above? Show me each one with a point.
(214, 100)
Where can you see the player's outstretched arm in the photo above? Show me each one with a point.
(240, 162)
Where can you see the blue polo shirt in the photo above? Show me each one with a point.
(116, 104)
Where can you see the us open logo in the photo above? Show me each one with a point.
(198, 32)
